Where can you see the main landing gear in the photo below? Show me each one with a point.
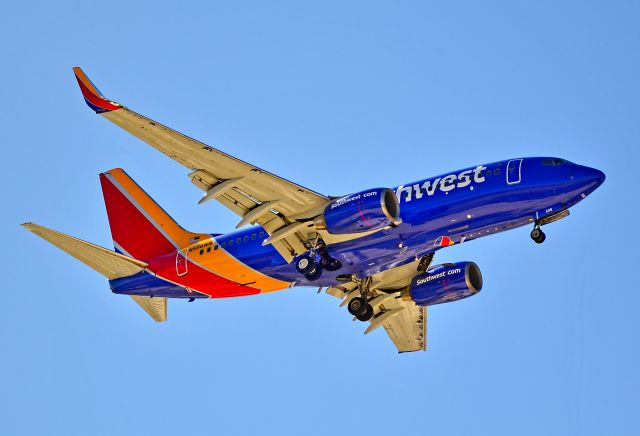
(318, 259)
(537, 234)
(307, 265)
(359, 306)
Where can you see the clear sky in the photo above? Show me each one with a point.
(338, 96)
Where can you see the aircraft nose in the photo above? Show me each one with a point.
(589, 176)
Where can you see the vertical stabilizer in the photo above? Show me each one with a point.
(139, 226)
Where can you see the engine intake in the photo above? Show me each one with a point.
(368, 210)
(445, 283)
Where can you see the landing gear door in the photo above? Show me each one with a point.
(181, 263)
(514, 171)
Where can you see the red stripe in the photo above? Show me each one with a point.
(364, 219)
(130, 228)
(132, 231)
(96, 100)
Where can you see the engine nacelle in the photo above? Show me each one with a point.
(368, 210)
(445, 283)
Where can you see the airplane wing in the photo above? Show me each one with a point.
(282, 207)
(404, 322)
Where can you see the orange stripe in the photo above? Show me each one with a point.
(181, 237)
(227, 266)
(218, 261)
(85, 80)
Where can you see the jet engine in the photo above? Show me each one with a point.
(445, 283)
(364, 211)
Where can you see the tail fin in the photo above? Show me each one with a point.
(139, 226)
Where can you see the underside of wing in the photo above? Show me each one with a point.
(282, 207)
(403, 320)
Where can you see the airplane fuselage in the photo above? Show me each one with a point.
(453, 208)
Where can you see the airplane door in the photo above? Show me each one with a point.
(514, 171)
(181, 263)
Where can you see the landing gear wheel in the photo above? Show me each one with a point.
(331, 264)
(357, 306)
(315, 273)
(368, 313)
(305, 264)
(538, 236)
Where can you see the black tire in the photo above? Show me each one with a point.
(541, 238)
(368, 313)
(535, 234)
(357, 306)
(305, 264)
(331, 264)
(315, 274)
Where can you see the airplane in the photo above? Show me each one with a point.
(372, 249)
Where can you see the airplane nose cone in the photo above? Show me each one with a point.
(589, 177)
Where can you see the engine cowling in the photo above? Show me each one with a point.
(364, 211)
(445, 283)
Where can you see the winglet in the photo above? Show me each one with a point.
(94, 98)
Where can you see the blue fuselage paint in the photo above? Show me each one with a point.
(462, 206)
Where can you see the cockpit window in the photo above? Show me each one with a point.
(553, 162)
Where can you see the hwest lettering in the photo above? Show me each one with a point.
(444, 184)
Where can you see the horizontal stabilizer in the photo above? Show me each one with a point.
(110, 264)
(156, 307)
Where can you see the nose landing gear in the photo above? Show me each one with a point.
(537, 234)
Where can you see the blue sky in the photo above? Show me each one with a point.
(338, 97)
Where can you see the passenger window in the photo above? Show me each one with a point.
(246, 238)
(488, 173)
(224, 244)
(253, 236)
(238, 241)
(497, 172)
(261, 235)
(202, 251)
(215, 247)
(230, 242)
(209, 250)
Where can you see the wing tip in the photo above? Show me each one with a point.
(29, 226)
(92, 95)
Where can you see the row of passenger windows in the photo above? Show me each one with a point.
(495, 172)
(233, 242)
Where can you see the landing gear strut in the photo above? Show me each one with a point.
(537, 234)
